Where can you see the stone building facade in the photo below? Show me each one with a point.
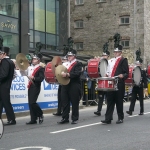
(94, 22)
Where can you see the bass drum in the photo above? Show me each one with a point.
(148, 71)
(135, 76)
(1, 128)
(49, 75)
(97, 67)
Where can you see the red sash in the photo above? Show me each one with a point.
(71, 66)
(115, 67)
(34, 72)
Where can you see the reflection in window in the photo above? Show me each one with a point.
(50, 17)
(9, 8)
(11, 40)
(50, 41)
(39, 15)
(40, 37)
(31, 13)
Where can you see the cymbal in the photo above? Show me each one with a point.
(62, 80)
(55, 62)
(22, 62)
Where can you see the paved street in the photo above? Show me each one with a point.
(88, 134)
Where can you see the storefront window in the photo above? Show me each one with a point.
(9, 8)
(11, 40)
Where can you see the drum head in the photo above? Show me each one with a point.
(103, 67)
(1, 128)
(137, 75)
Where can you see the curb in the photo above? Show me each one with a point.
(45, 111)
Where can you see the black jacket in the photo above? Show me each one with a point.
(75, 73)
(38, 78)
(6, 73)
(122, 68)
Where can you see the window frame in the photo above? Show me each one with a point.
(78, 22)
(101, 1)
(124, 45)
(124, 17)
(78, 4)
(75, 45)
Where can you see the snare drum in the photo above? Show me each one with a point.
(135, 75)
(49, 76)
(1, 128)
(97, 67)
(148, 71)
(107, 84)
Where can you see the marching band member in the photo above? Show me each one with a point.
(138, 90)
(101, 94)
(72, 91)
(7, 68)
(36, 74)
(117, 66)
(59, 109)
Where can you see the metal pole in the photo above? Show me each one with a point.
(68, 18)
(135, 20)
(86, 93)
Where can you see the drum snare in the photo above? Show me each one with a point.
(107, 84)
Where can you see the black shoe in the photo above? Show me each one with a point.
(119, 121)
(106, 121)
(57, 114)
(129, 112)
(74, 122)
(41, 119)
(11, 122)
(31, 122)
(97, 113)
(141, 113)
(63, 121)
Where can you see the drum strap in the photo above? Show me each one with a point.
(71, 66)
(33, 74)
(115, 66)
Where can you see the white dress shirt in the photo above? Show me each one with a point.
(111, 64)
(69, 63)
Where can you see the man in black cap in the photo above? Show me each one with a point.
(72, 91)
(117, 66)
(6, 76)
(138, 90)
(59, 109)
(101, 94)
(36, 75)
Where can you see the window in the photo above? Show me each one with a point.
(78, 24)
(125, 43)
(124, 20)
(78, 46)
(79, 2)
(101, 0)
(9, 8)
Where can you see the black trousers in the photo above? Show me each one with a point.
(115, 97)
(35, 110)
(101, 95)
(71, 94)
(59, 109)
(137, 91)
(5, 103)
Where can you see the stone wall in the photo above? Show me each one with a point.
(102, 21)
(146, 32)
